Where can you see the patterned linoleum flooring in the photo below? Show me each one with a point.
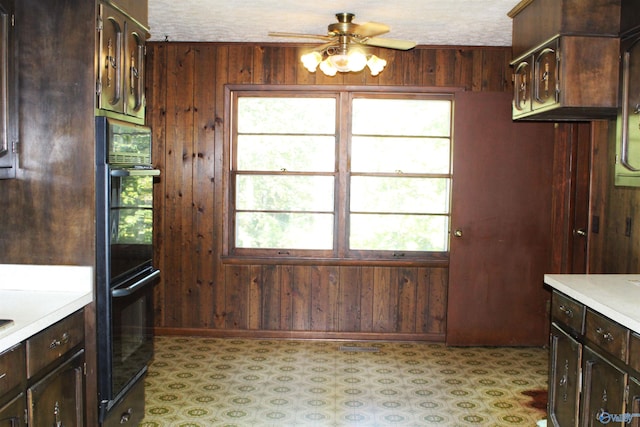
(195, 381)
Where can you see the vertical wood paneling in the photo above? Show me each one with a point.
(271, 297)
(349, 298)
(156, 113)
(237, 301)
(301, 298)
(178, 273)
(221, 75)
(186, 83)
(407, 302)
(437, 313)
(286, 293)
(204, 195)
(254, 315)
(324, 298)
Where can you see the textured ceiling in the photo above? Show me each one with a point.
(428, 22)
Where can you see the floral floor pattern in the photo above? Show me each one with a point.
(196, 381)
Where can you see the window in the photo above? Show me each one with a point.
(339, 174)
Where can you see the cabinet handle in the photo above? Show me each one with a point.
(605, 335)
(126, 416)
(566, 310)
(62, 341)
(4, 374)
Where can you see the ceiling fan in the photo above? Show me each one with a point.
(345, 45)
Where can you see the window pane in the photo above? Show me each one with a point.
(287, 115)
(291, 153)
(390, 194)
(401, 117)
(284, 193)
(399, 232)
(409, 155)
(284, 230)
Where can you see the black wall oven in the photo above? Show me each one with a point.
(124, 268)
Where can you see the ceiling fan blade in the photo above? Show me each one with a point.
(371, 29)
(389, 43)
(301, 36)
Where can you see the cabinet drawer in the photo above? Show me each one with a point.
(634, 352)
(567, 311)
(50, 344)
(609, 335)
(12, 368)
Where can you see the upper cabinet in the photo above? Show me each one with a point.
(8, 91)
(627, 168)
(120, 60)
(566, 59)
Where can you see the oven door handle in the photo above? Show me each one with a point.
(135, 172)
(123, 292)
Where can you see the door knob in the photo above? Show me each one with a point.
(457, 233)
(580, 232)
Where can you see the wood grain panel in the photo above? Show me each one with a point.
(199, 291)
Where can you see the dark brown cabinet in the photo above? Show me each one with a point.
(627, 168)
(564, 378)
(12, 414)
(12, 383)
(565, 59)
(592, 368)
(120, 63)
(567, 78)
(8, 91)
(58, 398)
(603, 389)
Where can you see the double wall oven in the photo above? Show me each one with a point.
(124, 268)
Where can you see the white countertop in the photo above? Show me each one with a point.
(37, 296)
(616, 296)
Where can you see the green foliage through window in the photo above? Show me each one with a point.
(309, 174)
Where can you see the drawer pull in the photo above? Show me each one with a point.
(605, 335)
(62, 341)
(566, 310)
(126, 416)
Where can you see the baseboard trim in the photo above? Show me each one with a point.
(311, 335)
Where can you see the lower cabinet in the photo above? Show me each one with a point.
(564, 378)
(58, 398)
(13, 413)
(634, 402)
(603, 396)
(593, 379)
(42, 379)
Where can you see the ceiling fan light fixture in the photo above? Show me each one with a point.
(328, 68)
(376, 65)
(311, 61)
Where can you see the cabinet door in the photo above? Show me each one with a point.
(545, 76)
(12, 414)
(564, 379)
(8, 96)
(633, 404)
(628, 124)
(134, 70)
(522, 88)
(58, 399)
(603, 391)
(110, 59)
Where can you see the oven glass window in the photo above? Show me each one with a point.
(131, 223)
(132, 337)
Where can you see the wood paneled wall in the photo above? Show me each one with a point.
(199, 291)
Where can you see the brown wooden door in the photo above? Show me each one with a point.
(501, 205)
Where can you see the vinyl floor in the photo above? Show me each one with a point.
(196, 381)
